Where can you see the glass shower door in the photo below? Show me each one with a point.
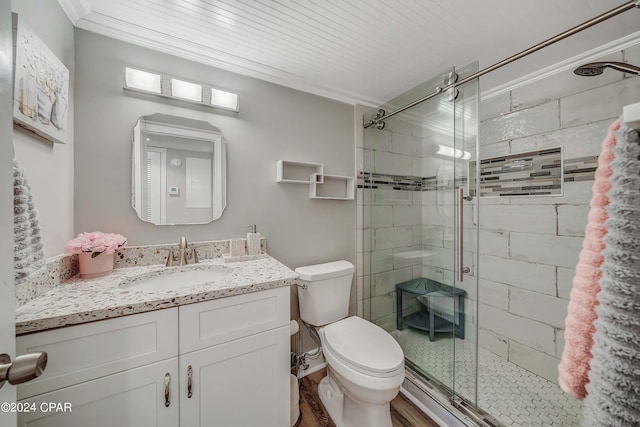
(407, 220)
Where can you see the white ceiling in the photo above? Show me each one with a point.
(357, 51)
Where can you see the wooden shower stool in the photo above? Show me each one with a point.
(442, 307)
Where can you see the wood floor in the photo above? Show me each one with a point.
(403, 412)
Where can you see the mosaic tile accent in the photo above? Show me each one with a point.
(389, 182)
(535, 173)
(580, 169)
(509, 393)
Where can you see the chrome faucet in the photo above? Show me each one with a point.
(184, 256)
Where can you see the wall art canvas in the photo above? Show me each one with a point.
(41, 87)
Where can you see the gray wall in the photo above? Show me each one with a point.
(49, 166)
(274, 123)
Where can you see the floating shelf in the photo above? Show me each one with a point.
(299, 172)
(334, 187)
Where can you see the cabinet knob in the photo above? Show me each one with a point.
(25, 368)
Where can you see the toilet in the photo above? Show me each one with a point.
(365, 365)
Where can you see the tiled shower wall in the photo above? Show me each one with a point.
(529, 245)
(389, 230)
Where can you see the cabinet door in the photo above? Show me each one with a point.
(240, 383)
(132, 398)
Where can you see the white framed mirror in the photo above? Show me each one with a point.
(179, 169)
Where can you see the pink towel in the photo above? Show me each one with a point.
(574, 366)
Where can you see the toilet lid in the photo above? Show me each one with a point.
(364, 345)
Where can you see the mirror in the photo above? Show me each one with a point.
(178, 170)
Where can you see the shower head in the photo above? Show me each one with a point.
(597, 68)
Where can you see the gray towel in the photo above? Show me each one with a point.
(27, 248)
(613, 397)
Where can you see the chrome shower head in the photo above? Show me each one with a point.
(597, 68)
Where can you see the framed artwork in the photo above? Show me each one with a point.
(41, 86)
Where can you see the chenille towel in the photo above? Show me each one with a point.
(614, 379)
(28, 251)
(574, 365)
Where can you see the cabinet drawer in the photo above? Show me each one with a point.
(225, 319)
(85, 352)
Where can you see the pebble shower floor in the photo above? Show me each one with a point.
(511, 394)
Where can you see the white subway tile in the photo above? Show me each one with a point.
(385, 283)
(604, 102)
(392, 237)
(382, 306)
(526, 331)
(375, 139)
(392, 197)
(495, 149)
(381, 261)
(493, 243)
(494, 294)
(407, 215)
(559, 342)
(539, 363)
(538, 119)
(525, 275)
(531, 218)
(578, 141)
(416, 231)
(381, 216)
(366, 285)
(543, 308)
(565, 281)
(561, 251)
(393, 164)
(432, 235)
(493, 342)
(572, 219)
(495, 106)
(406, 144)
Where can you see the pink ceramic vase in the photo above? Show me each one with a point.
(98, 266)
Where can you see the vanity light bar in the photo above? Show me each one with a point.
(171, 87)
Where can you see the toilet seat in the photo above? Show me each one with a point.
(364, 347)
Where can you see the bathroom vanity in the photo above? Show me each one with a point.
(218, 354)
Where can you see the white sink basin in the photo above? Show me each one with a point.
(177, 277)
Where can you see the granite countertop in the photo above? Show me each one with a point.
(79, 300)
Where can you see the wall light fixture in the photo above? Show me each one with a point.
(170, 87)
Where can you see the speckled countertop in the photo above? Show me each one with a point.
(79, 300)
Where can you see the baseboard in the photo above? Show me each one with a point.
(314, 364)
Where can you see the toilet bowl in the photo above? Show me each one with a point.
(365, 365)
(365, 368)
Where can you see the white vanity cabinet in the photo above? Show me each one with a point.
(223, 362)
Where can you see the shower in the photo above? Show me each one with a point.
(597, 68)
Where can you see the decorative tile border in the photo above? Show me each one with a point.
(539, 175)
(534, 173)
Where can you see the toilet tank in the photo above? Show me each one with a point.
(324, 291)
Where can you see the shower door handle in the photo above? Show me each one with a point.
(460, 243)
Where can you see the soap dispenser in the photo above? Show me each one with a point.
(253, 241)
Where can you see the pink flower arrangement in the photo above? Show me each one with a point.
(96, 242)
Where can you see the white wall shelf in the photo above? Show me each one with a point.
(334, 187)
(299, 172)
